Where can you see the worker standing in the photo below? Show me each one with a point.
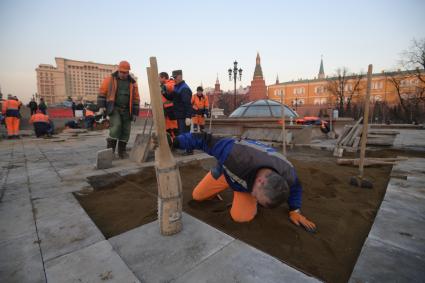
(11, 109)
(42, 106)
(167, 86)
(42, 124)
(200, 106)
(119, 97)
(181, 97)
(33, 106)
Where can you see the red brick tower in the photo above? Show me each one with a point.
(258, 85)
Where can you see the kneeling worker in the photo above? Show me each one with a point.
(42, 124)
(255, 172)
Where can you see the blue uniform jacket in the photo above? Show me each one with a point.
(239, 161)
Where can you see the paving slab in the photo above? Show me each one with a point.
(381, 262)
(156, 258)
(95, 263)
(15, 191)
(20, 260)
(395, 248)
(63, 226)
(16, 219)
(239, 262)
(400, 228)
(44, 190)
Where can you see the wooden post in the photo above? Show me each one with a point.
(365, 122)
(170, 198)
(283, 125)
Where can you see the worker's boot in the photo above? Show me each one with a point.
(111, 143)
(122, 149)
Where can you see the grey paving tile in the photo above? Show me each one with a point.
(20, 260)
(44, 190)
(399, 227)
(16, 219)
(380, 262)
(156, 258)
(239, 262)
(63, 226)
(95, 263)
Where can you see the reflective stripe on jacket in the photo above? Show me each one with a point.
(239, 161)
(200, 104)
(108, 93)
(11, 108)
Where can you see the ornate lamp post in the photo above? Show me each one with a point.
(235, 72)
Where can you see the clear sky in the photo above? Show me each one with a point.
(204, 37)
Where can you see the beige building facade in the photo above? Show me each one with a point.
(77, 79)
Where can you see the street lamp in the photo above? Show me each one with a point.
(235, 72)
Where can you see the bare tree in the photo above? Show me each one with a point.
(226, 101)
(344, 87)
(413, 62)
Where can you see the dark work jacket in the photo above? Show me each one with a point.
(181, 97)
(239, 161)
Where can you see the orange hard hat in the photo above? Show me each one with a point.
(124, 66)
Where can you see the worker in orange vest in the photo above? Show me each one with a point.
(11, 109)
(167, 86)
(42, 124)
(200, 106)
(88, 118)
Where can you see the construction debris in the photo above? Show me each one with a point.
(369, 161)
(350, 138)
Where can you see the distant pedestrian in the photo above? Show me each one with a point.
(32, 106)
(42, 106)
(73, 108)
(200, 106)
(10, 109)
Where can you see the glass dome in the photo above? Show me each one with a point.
(262, 108)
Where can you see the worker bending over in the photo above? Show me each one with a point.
(42, 124)
(255, 172)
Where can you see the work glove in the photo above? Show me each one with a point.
(187, 121)
(298, 219)
(206, 115)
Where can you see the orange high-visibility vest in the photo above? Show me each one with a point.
(199, 103)
(89, 113)
(169, 86)
(11, 108)
(39, 117)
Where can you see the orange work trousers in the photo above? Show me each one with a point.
(198, 120)
(244, 206)
(12, 124)
(171, 126)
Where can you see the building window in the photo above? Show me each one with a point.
(348, 87)
(377, 85)
(299, 90)
(319, 89)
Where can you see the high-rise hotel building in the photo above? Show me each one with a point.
(77, 79)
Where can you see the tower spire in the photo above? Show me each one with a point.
(277, 78)
(258, 72)
(321, 69)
